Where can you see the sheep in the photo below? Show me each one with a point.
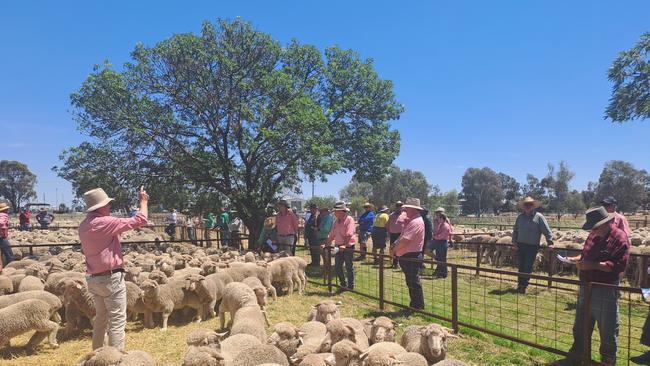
(312, 334)
(250, 320)
(165, 298)
(430, 341)
(249, 257)
(28, 315)
(450, 362)
(6, 286)
(31, 283)
(234, 344)
(344, 328)
(260, 291)
(236, 295)
(345, 353)
(244, 270)
(8, 271)
(380, 329)
(203, 356)
(21, 264)
(315, 360)
(52, 300)
(254, 356)
(382, 353)
(16, 279)
(78, 302)
(282, 273)
(37, 270)
(137, 358)
(324, 311)
(53, 279)
(299, 274)
(286, 337)
(412, 359)
(107, 356)
(206, 291)
(159, 276)
(220, 280)
(202, 337)
(135, 303)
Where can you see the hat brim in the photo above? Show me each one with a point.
(101, 204)
(341, 209)
(383, 210)
(590, 225)
(412, 206)
(535, 204)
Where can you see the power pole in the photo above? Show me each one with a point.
(312, 189)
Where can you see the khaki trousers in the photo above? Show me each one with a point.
(109, 295)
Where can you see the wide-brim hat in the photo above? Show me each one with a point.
(284, 203)
(609, 200)
(383, 208)
(367, 204)
(440, 210)
(412, 203)
(43, 209)
(96, 198)
(340, 206)
(529, 200)
(597, 216)
(399, 204)
(3, 206)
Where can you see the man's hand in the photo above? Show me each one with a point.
(585, 266)
(144, 197)
(342, 248)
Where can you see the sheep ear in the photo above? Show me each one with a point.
(339, 303)
(363, 355)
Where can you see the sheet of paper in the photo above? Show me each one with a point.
(564, 259)
(645, 292)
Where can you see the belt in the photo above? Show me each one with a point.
(107, 273)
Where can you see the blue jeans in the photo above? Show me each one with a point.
(411, 271)
(604, 311)
(5, 248)
(341, 258)
(440, 248)
(526, 255)
(25, 227)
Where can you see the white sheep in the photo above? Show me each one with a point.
(243, 270)
(344, 328)
(206, 292)
(412, 359)
(135, 303)
(380, 329)
(450, 362)
(52, 300)
(250, 320)
(259, 355)
(25, 316)
(286, 337)
(165, 298)
(31, 283)
(203, 356)
(312, 334)
(260, 291)
(6, 285)
(109, 356)
(430, 341)
(236, 295)
(202, 337)
(324, 311)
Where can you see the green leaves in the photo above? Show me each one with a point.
(16, 183)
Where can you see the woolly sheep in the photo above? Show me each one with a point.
(37, 270)
(234, 344)
(6, 285)
(312, 334)
(236, 295)
(286, 337)
(31, 283)
(430, 341)
(206, 292)
(135, 303)
(25, 316)
(137, 358)
(412, 359)
(165, 298)
(260, 291)
(52, 300)
(301, 265)
(108, 356)
(21, 264)
(345, 353)
(16, 279)
(220, 280)
(450, 362)
(202, 337)
(244, 270)
(344, 328)
(380, 329)
(282, 273)
(258, 355)
(203, 356)
(382, 353)
(324, 311)
(53, 280)
(315, 359)
(78, 302)
(159, 276)
(250, 320)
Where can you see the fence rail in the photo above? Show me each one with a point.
(482, 299)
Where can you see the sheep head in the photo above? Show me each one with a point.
(383, 330)
(344, 352)
(149, 287)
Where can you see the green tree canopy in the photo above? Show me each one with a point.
(626, 183)
(630, 74)
(233, 110)
(511, 192)
(321, 202)
(481, 190)
(557, 184)
(16, 183)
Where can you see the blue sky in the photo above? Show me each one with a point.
(512, 85)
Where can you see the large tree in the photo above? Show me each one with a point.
(534, 188)
(630, 74)
(626, 183)
(557, 184)
(396, 185)
(511, 191)
(481, 190)
(16, 183)
(234, 110)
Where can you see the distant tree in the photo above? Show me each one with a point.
(589, 194)
(234, 110)
(534, 188)
(16, 183)
(630, 74)
(326, 201)
(356, 189)
(481, 190)
(511, 191)
(627, 184)
(574, 203)
(63, 208)
(557, 184)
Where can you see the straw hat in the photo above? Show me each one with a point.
(440, 210)
(340, 206)
(413, 203)
(398, 203)
(383, 208)
(529, 200)
(3, 206)
(96, 198)
(597, 216)
(367, 204)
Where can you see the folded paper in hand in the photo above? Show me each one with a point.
(564, 259)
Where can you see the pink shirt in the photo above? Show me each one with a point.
(286, 224)
(442, 230)
(412, 237)
(621, 222)
(396, 222)
(4, 225)
(100, 240)
(342, 229)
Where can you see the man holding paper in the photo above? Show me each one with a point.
(603, 260)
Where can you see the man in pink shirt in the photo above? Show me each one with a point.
(395, 225)
(619, 221)
(99, 234)
(343, 234)
(408, 248)
(5, 247)
(286, 223)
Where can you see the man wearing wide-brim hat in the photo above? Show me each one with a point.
(343, 235)
(408, 248)
(44, 218)
(603, 260)
(5, 246)
(526, 235)
(99, 234)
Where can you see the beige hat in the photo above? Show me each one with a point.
(367, 204)
(440, 209)
(412, 203)
(96, 198)
(340, 206)
(529, 200)
(3, 206)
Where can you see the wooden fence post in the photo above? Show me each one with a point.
(478, 258)
(454, 298)
(381, 280)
